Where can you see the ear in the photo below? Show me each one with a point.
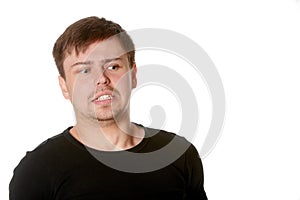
(63, 87)
(133, 76)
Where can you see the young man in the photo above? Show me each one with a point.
(104, 155)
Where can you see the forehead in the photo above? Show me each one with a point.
(97, 51)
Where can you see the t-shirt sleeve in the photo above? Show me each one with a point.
(29, 180)
(195, 178)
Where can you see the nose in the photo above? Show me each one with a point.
(103, 79)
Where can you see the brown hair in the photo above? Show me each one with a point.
(79, 35)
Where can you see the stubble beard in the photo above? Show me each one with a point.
(110, 114)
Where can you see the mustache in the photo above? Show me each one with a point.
(106, 88)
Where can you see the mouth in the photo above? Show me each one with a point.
(104, 98)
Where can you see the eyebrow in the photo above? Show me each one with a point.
(90, 62)
(81, 63)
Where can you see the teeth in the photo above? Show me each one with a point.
(104, 97)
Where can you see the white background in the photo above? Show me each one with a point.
(255, 46)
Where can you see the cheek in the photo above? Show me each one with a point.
(123, 83)
(82, 89)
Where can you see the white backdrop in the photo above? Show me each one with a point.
(255, 46)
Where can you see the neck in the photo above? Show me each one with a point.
(108, 135)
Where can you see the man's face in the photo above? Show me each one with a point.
(99, 81)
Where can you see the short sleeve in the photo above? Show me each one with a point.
(194, 172)
(29, 180)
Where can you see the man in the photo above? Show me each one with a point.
(104, 155)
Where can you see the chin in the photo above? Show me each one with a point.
(104, 116)
(110, 115)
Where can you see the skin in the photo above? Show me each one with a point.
(102, 70)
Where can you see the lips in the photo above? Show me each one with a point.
(103, 97)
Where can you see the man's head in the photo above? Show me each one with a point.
(81, 34)
(95, 59)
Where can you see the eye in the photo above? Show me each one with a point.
(84, 71)
(113, 67)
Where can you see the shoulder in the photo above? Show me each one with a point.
(170, 145)
(47, 152)
(37, 170)
(171, 142)
(48, 147)
(165, 137)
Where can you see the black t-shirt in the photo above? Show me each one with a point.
(63, 168)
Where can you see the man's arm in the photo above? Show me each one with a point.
(29, 181)
(195, 177)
